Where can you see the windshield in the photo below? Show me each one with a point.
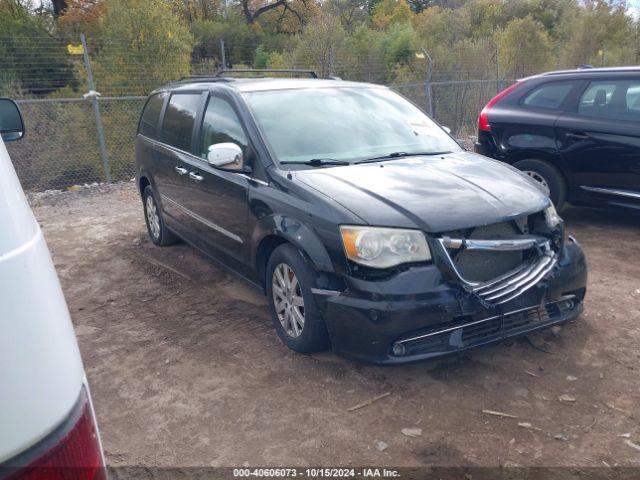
(344, 124)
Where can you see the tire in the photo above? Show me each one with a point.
(313, 336)
(158, 232)
(547, 174)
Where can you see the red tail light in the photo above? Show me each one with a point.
(483, 118)
(74, 455)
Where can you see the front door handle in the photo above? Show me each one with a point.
(195, 176)
(577, 136)
(181, 171)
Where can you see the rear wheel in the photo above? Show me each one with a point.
(158, 232)
(296, 317)
(547, 175)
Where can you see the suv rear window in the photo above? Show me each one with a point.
(617, 100)
(151, 115)
(548, 96)
(179, 120)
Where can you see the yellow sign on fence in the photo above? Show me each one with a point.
(75, 49)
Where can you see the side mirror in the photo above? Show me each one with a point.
(11, 124)
(446, 129)
(225, 154)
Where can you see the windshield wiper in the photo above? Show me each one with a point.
(398, 155)
(318, 162)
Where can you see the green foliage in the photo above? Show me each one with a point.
(397, 45)
(600, 34)
(320, 44)
(143, 42)
(525, 49)
(388, 13)
(31, 59)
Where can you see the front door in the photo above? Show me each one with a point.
(600, 142)
(218, 199)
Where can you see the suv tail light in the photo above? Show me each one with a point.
(72, 452)
(483, 118)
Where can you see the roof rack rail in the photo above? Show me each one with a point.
(222, 72)
(213, 78)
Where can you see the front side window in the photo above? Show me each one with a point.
(549, 96)
(179, 120)
(221, 125)
(345, 124)
(617, 100)
(151, 115)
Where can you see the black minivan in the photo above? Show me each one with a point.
(367, 226)
(576, 131)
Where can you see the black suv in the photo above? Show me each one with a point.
(576, 131)
(368, 227)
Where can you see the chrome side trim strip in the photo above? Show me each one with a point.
(255, 180)
(326, 293)
(613, 191)
(464, 325)
(203, 220)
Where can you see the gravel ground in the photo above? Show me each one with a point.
(186, 369)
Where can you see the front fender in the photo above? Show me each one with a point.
(296, 233)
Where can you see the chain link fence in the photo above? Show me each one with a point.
(74, 140)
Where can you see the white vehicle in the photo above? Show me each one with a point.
(47, 423)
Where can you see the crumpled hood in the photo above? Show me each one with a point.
(432, 193)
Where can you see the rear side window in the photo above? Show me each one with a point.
(617, 100)
(179, 120)
(549, 96)
(151, 115)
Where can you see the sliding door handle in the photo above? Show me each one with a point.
(180, 170)
(195, 176)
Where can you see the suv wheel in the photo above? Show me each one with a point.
(296, 317)
(158, 232)
(547, 175)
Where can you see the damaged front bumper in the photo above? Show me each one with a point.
(418, 314)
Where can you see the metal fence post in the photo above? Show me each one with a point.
(427, 83)
(223, 54)
(498, 88)
(96, 110)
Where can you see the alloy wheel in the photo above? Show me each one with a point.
(153, 217)
(287, 300)
(537, 177)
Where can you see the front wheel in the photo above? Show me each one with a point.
(296, 317)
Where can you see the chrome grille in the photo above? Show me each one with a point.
(497, 263)
(483, 265)
(516, 282)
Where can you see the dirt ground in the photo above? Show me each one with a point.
(186, 369)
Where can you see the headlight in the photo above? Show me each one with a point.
(384, 247)
(551, 217)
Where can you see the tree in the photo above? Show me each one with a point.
(31, 58)
(320, 43)
(59, 6)
(601, 34)
(144, 45)
(391, 12)
(525, 49)
(251, 13)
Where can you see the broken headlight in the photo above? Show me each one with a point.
(551, 217)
